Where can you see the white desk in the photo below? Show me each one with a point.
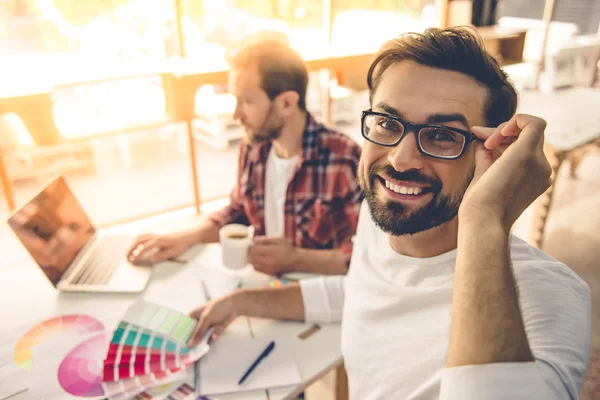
(315, 356)
(26, 298)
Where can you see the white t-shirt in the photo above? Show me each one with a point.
(277, 176)
(396, 325)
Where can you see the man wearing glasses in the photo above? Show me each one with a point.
(440, 300)
(297, 181)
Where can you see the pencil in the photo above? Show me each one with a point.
(205, 290)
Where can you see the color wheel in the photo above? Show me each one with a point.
(80, 372)
(82, 324)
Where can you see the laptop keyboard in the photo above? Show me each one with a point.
(99, 267)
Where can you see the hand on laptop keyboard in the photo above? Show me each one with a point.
(150, 249)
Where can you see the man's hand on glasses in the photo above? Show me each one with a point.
(511, 171)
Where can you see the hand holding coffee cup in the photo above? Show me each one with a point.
(236, 240)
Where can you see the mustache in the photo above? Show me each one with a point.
(411, 175)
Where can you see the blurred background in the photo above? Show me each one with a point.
(127, 99)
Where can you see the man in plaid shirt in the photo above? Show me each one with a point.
(296, 178)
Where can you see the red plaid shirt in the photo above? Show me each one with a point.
(322, 199)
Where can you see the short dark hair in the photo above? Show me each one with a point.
(457, 49)
(280, 67)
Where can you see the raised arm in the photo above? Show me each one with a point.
(491, 354)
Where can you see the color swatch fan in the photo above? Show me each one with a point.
(149, 348)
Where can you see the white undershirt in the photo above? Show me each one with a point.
(396, 313)
(278, 174)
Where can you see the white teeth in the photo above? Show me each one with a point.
(403, 189)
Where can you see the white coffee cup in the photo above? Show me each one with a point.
(235, 242)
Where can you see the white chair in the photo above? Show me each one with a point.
(560, 34)
(574, 64)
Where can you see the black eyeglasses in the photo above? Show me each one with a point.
(436, 141)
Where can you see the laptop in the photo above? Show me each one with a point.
(72, 253)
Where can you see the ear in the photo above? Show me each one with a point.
(289, 101)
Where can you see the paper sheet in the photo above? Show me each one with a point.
(229, 358)
(298, 276)
(178, 391)
(160, 392)
(139, 384)
(68, 367)
(13, 378)
(168, 384)
(18, 345)
(182, 289)
(219, 282)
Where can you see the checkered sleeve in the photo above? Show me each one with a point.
(352, 200)
(234, 212)
(350, 196)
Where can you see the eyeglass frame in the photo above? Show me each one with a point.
(416, 129)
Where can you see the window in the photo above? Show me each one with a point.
(86, 90)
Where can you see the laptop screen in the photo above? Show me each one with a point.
(53, 228)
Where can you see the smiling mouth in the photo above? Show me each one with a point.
(406, 188)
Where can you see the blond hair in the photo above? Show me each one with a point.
(280, 67)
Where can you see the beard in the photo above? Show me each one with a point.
(268, 131)
(396, 218)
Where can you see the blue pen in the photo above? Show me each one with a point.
(262, 356)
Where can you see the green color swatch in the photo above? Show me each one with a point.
(184, 328)
(169, 323)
